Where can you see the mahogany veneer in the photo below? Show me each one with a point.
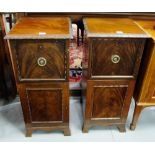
(39, 52)
(114, 51)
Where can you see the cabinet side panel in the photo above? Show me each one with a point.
(141, 86)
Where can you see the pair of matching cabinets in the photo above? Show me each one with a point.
(114, 49)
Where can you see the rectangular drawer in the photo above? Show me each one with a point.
(116, 57)
(40, 59)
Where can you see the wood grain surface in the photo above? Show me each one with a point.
(33, 28)
(29, 51)
(127, 49)
(119, 27)
(108, 101)
(148, 26)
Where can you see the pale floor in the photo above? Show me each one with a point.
(12, 126)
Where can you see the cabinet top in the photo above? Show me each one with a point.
(148, 26)
(113, 27)
(41, 28)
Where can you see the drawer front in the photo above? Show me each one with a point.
(116, 57)
(45, 103)
(108, 99)
(40, 59)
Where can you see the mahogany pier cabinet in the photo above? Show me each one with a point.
(39, 53)
(114, 47)
(144, 93)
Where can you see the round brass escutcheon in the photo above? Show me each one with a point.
(40, 46)
(115, 58)
(41, 61)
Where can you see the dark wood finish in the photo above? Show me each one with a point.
(109, 84)
(43, 86)
(29, 51)
(145, 87)
(78, 16)
(129, 51)
(2, 86)
(49, 104)
(9, 19)
(7, 80)
(80, 26)
(112, 101)
(107, 103)
(45, 106)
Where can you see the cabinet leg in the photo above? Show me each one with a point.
(67, 132)
(136, 115)
(81, 97)
(28, 132)
(82, 34)
(121, 128)
(77, 36)
(81, 100)
(85, 128)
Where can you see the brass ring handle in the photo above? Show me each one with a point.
(115, 58)
(41, 61)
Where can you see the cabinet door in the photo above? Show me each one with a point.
(40, 59)
(116, 57)
(45, 103)
(108, 99)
